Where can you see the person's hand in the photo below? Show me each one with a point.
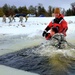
(44, 33)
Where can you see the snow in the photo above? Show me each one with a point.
(32, 26)
(15, 36)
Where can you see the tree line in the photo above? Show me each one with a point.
(37, 10)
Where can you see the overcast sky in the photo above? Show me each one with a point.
(55, 3)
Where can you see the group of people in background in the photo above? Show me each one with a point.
(12, 18)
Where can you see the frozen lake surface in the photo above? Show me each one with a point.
(21, 48)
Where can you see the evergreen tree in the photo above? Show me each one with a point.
(14, 9)
(23, 10)
(31, 9)
(69, 12)
(41, 10)
(20, 9)
(1, 12)
(50, 11)
(73, 7)
(6, 9)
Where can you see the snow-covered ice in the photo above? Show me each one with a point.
(4, 70)
(32, 26)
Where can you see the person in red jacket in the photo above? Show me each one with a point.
(57, 22)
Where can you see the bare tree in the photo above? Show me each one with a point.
(73, 6)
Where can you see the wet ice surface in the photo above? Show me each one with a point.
(12, 43)
(42, 59)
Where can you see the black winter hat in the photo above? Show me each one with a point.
(55, 29)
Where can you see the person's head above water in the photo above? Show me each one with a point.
(54, 30)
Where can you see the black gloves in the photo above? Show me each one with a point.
(44, 33)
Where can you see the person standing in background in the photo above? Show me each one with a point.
(4, 18)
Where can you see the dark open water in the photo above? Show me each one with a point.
(42, 59)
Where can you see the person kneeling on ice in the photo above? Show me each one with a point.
(58, 22)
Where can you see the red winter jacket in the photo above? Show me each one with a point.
(57, 22)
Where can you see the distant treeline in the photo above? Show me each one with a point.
(37, 10)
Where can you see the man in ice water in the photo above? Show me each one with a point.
(57, 39)
(57, 22)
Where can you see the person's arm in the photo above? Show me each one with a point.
(65, 27)
(47, 29)
(49, 26)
